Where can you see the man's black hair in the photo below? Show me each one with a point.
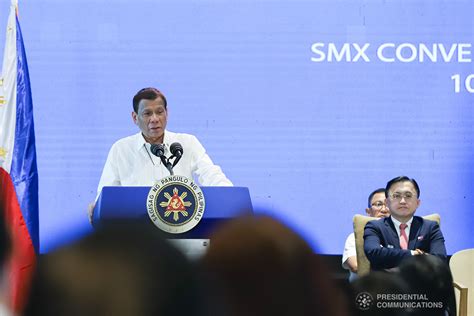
(402, 179)
(149, 93)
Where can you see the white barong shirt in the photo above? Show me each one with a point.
(131, 163)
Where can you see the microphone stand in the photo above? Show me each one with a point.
(166, 162)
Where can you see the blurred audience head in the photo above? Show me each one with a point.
(430, 276)
(121, 269)
(369, 294)
(259, 266)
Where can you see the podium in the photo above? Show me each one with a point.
(129, 203)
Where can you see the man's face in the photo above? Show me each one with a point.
(151, 119)
(378, 208)
(402, 201)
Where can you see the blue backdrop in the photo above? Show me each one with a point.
(298, 100)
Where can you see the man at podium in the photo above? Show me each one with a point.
(131, 161)
(135, 161)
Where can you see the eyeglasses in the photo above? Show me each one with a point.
(408, 196)
(378, 205)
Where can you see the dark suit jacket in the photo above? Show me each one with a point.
(382, 244)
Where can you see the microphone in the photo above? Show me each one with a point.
(177, 151)
(157, 150)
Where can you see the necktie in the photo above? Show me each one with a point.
(403, 236)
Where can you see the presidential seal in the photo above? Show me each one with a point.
(175, 204)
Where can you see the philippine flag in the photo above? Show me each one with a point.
(18, 170)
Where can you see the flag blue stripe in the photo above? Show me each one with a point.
(24, 171)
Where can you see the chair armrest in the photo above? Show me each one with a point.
(463, 290)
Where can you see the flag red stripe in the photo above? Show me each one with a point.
(23, 258)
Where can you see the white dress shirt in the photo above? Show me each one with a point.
(349, 251)
(131, 163)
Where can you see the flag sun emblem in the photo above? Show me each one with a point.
(175, 204)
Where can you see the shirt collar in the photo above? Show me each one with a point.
(167, 139)
(140, 140)
(397, 223)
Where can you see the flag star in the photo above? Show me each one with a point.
(3, 152)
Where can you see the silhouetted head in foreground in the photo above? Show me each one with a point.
(119, 270)
(431, 277)
(379, 293)
(259, 266)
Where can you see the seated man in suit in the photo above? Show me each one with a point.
(376, 208)
(401, 235)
